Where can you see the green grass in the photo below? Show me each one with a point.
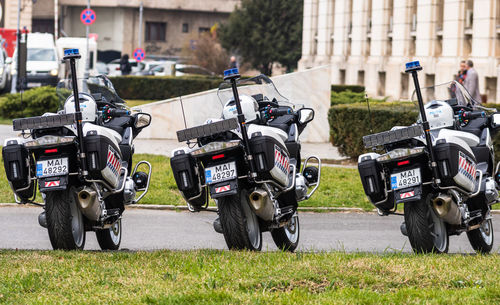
(232, 277)
(133, 103)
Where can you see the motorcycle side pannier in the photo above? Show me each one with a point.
(370, 172)
(271, 159)
(103, 159)
(16, 160)
(186, 174)
(456, 165)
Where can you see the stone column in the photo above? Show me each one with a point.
(340, 36)
(308, 34)
(325, 28)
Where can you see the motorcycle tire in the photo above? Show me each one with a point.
(286, 238)
(481, 239)
(240, 225)
(426, 231)
(65, 223)
(110, 239)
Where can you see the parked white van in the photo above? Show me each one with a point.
(79, 43)
(42, 62)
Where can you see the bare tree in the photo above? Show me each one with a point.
(208, 53)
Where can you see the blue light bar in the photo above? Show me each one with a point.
(230, 72)
(71, 52)
(412, 64)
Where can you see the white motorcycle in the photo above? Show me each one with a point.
(81, 160)
(442, 168)
(249, 162)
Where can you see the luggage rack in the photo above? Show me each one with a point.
(206, 130)
(387, 137)
(42, 122)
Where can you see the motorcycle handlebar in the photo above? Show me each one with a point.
(279, 112)
(470, 115)
(113, 112)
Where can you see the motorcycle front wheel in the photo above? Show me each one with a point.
(426, 231)
(110, 239)
(64, 220)
(240, 225)
(481, 239)
(287, 237)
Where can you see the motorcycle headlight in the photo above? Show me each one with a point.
(399, 153)
(48, 140)
(214, 147)
(54, 72)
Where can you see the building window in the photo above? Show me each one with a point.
(203, 30)
(185, 28)
(42, 25)
(156, 31)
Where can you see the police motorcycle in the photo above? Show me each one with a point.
(441, 168)
(81, 160)
(249, 162)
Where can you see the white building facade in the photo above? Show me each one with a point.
(367, 42)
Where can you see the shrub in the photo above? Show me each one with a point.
(353, 88)
(350, 122)
(161, 87)
(34, 102)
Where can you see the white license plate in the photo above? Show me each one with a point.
(406, 179)
(52, 167)
(222, 172)
(32, 85)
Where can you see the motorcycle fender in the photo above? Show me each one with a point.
(59, 183)
(413, 193)
(226, 188)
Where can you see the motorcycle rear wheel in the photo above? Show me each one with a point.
(287, 237)
(481, 239)
(240, 225)
(110, 239)
(65, 223)
(426, 231)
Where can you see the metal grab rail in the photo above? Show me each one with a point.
(316, 185)
(147, 183)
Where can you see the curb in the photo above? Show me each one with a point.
(214, 209)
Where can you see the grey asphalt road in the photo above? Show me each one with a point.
(160, 229)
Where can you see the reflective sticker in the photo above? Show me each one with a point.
(281, 159)
(407, 195)
(52, 183)
(223, 189)
(113, 162)
(466, 167)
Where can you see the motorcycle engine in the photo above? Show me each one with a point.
(300, 187)
(129, 191)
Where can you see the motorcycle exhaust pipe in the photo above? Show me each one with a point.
(262, 204)
(446, 209)
(89, 204)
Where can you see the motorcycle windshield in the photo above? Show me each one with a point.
(98, 86)
(451, 92)
(259, 87)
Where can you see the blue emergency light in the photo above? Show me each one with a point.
(413, 66)
(71, 52)
(231, 72)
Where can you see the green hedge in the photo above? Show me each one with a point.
(353, 88)
(350, 122)
(34, 102)
(159, 87)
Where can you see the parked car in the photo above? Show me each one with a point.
(183, 69)
(102, 68)
(5, 71)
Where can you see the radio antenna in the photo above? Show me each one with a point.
(369, 112)
(183, 114)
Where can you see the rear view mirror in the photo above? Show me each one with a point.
(306, 115)
(496, 120)
(142, 120)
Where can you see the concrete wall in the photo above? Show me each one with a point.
(310, 88)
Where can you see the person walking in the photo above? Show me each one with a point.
(462, 73)
(125, 66)
(233, 63)
(471, 82)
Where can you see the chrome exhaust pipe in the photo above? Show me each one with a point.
(446, 209)
(89, 203)
(261, 204)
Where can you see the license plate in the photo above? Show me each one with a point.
(32, 85)
(222, 172)
(52, 167)
(406, 179)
